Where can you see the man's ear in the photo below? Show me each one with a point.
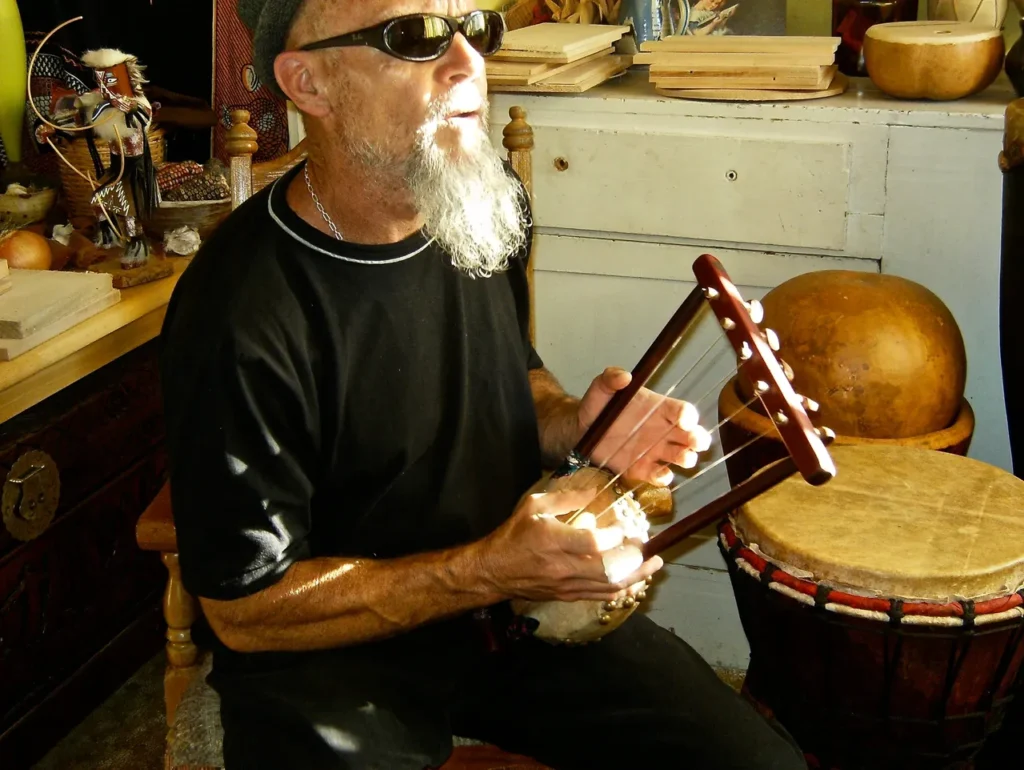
(298, 76)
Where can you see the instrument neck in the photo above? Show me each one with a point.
(656, 354)
(720, 507)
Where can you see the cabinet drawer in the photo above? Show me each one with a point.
(91, 430)
(67, 594)
(735, 189)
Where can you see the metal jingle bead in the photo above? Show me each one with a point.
(641, 596)
(628, 602)
(604, 620)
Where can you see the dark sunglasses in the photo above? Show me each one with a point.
(424, 36)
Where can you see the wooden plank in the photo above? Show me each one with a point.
(743, 44)
(580, 78)
(838, 85)
(706, 60)
(559, 43)
(65, 353)
(505, 73)
(815, 79)
(11, 349)
(38, 298)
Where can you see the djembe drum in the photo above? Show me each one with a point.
(884, 609)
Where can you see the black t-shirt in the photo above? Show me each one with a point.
(330, 399)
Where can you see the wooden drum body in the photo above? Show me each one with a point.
(884, 609)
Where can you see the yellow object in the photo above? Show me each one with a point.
(13, 79)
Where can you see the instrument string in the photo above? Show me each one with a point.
(712, 432)
(658, 440)
(710, 391)
(661, 400)
(658, 403)
(719, 461)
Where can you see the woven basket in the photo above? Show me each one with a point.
(77, 191)
(525, 13)
(204, 216)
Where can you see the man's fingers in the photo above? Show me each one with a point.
(659, 475)
(621, 562)
(614, 379)
(700, 439)
(558, 503)
(585, 541)
(682, 414)
(682, 456)
(599, 590)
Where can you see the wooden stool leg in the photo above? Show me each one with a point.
(180, 612)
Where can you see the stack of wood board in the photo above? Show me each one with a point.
(743, 67)
(44, 303)
(557, 58)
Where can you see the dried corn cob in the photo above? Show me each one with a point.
(170, 175)
(208, 187)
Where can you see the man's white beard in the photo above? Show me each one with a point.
(470, 203)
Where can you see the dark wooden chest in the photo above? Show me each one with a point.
(79, 601)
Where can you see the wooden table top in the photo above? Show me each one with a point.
(86, 347)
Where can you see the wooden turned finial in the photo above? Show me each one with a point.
(241, 138)
(518, 134)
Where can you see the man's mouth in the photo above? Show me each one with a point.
(471, 114)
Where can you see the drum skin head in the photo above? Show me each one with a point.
(899, 522)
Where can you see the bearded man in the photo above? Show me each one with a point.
(355, 414)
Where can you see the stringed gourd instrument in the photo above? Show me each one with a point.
(581, 622)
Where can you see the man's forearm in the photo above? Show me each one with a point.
(331, 602)
(557, 417)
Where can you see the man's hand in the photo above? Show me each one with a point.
(669, 436)
(535, 556)
(328, 602)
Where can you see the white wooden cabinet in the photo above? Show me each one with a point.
(630, 187)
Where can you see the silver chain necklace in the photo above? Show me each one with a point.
(320, 207)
